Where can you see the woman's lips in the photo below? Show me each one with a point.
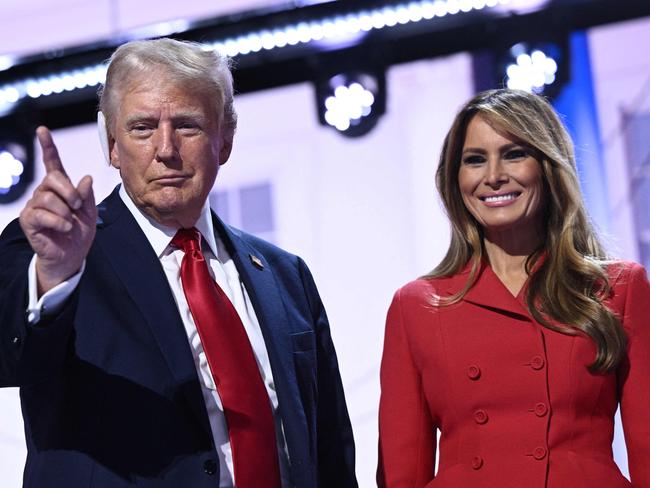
(500, 200)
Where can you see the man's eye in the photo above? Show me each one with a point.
(139, 128)
(473, 159)
(188, 127)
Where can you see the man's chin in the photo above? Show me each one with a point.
(174, 212)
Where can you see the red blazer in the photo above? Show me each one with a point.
(514, 402)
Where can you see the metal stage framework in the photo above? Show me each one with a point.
(292, 44)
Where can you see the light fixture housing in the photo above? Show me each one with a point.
(16, 164)
(352, 102)
(540, 67)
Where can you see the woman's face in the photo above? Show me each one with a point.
(500, 180)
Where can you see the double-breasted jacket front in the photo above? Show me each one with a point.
(514, 401)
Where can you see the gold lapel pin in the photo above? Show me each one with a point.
(256, 261)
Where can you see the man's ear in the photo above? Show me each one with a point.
(102, 131)
(226, 148)
(107, 141)
(114, 158)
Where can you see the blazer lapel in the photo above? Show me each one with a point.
(136, 264)
(260, 282)
(489, 292)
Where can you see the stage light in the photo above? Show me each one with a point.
(9, 95)
(353, 102)
(531, 68)
(16, 165)
(337, 30)
(64, 81)
(11, 170)
(6, 61)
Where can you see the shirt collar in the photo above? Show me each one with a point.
(159, 236)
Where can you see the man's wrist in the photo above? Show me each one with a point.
(47, 279)
(53, 299)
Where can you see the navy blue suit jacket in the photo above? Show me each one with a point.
(109, 391)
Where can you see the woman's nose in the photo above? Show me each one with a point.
(495, 173)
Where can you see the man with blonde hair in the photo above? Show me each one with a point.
(153, 344)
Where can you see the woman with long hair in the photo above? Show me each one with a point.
(521, 344)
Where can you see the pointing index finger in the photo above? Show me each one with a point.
(51, 158)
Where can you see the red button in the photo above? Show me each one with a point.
(473, 372)
(541, 409)
(480, 416)
(537, 362)
(539, 453)
(477, 462)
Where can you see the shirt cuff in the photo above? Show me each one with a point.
(52, 300)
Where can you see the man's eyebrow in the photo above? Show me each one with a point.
(138, 117)
(189, 115)
(144, 117)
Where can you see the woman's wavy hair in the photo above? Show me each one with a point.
(566, 289)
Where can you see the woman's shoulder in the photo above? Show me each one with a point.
(428, 288)
(621, 272)
(628, 282)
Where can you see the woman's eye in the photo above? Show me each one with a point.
(516, 154)
(474, 159)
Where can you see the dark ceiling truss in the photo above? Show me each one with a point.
(377, 49)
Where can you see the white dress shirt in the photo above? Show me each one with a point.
(223, 270)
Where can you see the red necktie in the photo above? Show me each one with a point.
(246, 403)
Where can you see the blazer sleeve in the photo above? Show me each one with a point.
(635, 380)
(28, 353)
(336, 453)
(407, 440)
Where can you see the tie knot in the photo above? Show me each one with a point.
(187, 239)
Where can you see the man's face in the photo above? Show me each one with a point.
(168, 147)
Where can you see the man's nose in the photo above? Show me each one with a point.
(167, 147)
(495, 173)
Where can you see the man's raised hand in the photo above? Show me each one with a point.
(59, 220)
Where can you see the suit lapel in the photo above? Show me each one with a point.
(260, 282)
(136, 264)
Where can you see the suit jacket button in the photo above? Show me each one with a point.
(473, 372)
(541, 409)
(480, 416)
(210, 467)
(477, 462)
(539, 453)
(537, 362)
